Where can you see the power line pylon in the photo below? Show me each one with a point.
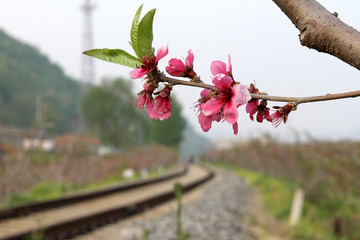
(87, 64)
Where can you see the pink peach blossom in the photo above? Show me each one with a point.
(223, 103)
(206, 121)
(178, 68)
(228, 99)
(145, 99)
(281, 115)
(162, 106)
(219, 67)
(251, 108)
(150, 63)
(254, 107)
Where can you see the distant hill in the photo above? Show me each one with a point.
(26, 73)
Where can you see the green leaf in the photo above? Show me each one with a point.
(145, 34)
(117, 56)
(134, 30)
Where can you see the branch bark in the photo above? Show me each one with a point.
(297, 100)
(322, 30)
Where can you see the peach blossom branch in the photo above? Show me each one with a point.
(297, 100)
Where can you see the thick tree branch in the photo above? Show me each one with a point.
(322, 30)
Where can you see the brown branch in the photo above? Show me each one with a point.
(174, 82)
(322, 30)
(297, 100)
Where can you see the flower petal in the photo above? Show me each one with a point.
(190, 59)
(176, 66)
(230, 112)
(259, 117)
(229, 66)
(236, 128)
(205, 122)
(150, 109)
(251, 106)
(240, 94)
(164, 115)
(137, 73)
(212, 106)
(222, 81)
(218, 67)
(161, 52)
(204, 92)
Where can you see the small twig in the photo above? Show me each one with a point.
(174, 82)
(299, 100)
(296, 100)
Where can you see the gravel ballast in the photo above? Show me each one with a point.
(219, 214)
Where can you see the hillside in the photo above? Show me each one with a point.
(26, 73)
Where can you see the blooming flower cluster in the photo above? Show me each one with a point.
(253, 107)
(218, 102)
(214, 105)
(160, 107)
(222, 104)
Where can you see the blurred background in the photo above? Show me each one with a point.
(60, 109)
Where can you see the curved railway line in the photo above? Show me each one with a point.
(67, 217)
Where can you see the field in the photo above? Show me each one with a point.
(327, 171)
(38, 175)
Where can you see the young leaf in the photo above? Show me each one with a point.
(115, 56)
(145, 34)
(134, 31)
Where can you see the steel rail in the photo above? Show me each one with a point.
(27, 209)
(76, 226)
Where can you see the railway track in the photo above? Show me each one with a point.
(67, 217)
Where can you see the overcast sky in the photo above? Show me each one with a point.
(263, 44)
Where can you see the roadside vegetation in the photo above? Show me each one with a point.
(327, 171)
(38, 175)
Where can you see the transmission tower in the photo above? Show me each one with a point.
(87, 64)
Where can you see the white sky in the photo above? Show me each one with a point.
(262, 41)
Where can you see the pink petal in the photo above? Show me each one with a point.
(277, 118)
(190, 59)
(267, 115)
(251, 117)
(216, 117)
(259, 117)
(137, 73)
(205, 122)
(218, 67)
(251, 106)
(150, 110)
(230, 112)
(240, 94)
(161, 52)
(165, 115)
(176, 66)
(212, 106)
(229, 67)
(204, 92)
(222, 81)
(235, 127)
(140, 101)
